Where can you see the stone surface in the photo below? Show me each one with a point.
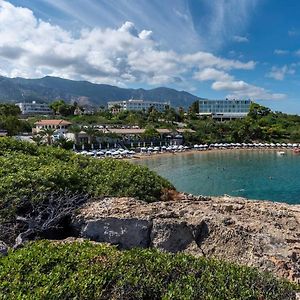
(255, 233)
(126, 233)
(3, 249)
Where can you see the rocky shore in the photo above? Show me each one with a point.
(262, 234)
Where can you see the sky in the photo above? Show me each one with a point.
(213, 49)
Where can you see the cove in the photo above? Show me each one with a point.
(254, 174)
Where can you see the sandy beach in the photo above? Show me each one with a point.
(195, 151)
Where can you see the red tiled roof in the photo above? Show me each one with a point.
(52, 122)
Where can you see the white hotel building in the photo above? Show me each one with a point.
(224, 109)
(137, 105)
(33, 108)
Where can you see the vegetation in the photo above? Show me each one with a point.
(44, 270)
(9, 119)
(29, 172)
(60, 107)
(261, 124)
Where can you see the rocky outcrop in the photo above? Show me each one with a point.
(3, 249)
(255, 233)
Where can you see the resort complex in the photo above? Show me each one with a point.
(34, 108)
(149, 150)
(224, 109)
(137, 105)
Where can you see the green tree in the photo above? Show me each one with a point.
(48, 133)
(150, 133)
(91, 132)
(60, 107)
(257, 111)
(38, 139)
(75, 130)
(13, 125)
(194, 109)
(9, 109)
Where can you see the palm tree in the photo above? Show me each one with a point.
(38, 139)
(75, 130)
(91, 133)
(48, 133)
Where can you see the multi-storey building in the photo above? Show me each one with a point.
(34, 108)
(224, 109)
(137, 105)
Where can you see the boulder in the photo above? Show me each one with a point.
(126, 233)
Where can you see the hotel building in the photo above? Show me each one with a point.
(34, 108)
(224, 109)
(137, 105)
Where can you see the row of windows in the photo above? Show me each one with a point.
(225, 102)
(51, 126)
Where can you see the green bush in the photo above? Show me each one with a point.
(28, 171)
(44, 270)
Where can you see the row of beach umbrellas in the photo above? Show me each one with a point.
(261, 145)
(125, 152)
(110, 152)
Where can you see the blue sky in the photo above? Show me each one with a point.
(214, 49)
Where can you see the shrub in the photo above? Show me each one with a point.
(44, 270)
(28, 171)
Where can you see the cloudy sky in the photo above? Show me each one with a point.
(213, 49)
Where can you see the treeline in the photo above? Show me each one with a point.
(9, 120)
(261, 124)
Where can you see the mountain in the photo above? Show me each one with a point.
(49, 88)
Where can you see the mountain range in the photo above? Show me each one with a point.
(49, 88)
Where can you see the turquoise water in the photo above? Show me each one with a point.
(253, 174)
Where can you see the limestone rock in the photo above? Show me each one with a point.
(255, 233)
(171, 235)
(126, 233)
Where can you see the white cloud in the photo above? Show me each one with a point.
(224, 19)
(145, 34)
(206, 59)
(130, 28)
(242, 89)
(33, 48)
(280, 73)
(281, 52)
(212, 74)
(240, 39)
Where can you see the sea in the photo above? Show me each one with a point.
(254, 174)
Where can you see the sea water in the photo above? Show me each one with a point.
(254, 174)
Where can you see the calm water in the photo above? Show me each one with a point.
(251, 174)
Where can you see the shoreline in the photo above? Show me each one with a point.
(143, 156)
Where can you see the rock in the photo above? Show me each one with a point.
(3, 249)
(171, 235)
(255, 233)
(126, 233)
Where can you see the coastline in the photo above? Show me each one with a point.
(144, 156)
